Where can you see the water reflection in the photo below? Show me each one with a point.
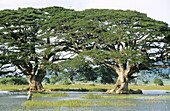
(152, 92)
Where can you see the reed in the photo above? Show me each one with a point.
(92, 96)
(118, 104)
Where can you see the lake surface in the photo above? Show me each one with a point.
(13, 101)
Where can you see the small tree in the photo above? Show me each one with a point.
(158, 82)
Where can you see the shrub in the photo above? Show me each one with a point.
(158, 82)
(92, 84)
(52, 80)
(65, 82)
(145, 81)
(13, 81)
(3, 81)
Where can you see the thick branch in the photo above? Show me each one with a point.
(115, 67)
(161, 66)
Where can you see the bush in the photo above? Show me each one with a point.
(92, 84)
(158, 82)
(13, 81)
(65, 82)
(52, 80)
(3, 81)
(145, 81)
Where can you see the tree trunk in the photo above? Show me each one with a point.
(70, 79)
(35, 82)
(121, 86)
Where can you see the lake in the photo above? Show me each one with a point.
(13, 101)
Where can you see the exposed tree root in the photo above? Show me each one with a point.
(112, 91)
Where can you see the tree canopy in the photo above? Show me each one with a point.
(128, 41)
(25, 46)
(33, 41)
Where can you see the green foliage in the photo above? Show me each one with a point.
(92, 84)
(145, 81)
(25, 41)
(35, 40)
(65, 82)
(158, 82)
(107, 74)
(80, 71)
(53, 79)
(13, 81)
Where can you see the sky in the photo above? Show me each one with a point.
(156, 9)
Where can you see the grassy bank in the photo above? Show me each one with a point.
(101, 87)
(83, 87)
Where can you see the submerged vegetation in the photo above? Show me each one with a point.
(62, 103)
(92, 96)
(118, 104)
(50, 95)
(76, 103)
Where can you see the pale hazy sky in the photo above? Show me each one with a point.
(157, 9)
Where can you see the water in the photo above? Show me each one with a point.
(13, 101)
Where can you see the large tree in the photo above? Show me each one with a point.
(27, 45)
(128, 41)
(33, 40)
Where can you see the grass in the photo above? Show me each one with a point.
(162, 97)
(63, 103)
(50, 95)
(118, 104)
(101, 87)
(13, 87)
(82, 87)
(124, 96)
(92, 96)
(150, 87)
(151, 101)
(76, 103)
